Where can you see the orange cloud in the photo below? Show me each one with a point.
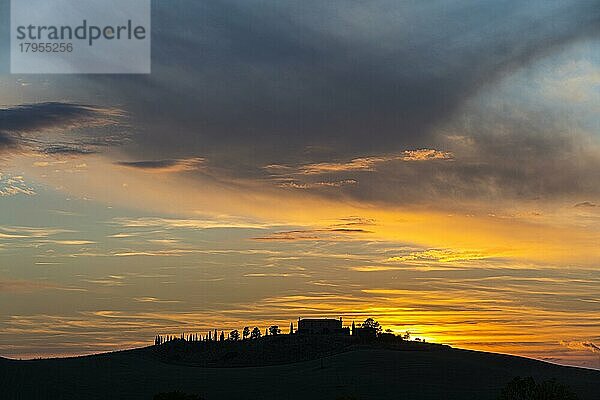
(370, 163)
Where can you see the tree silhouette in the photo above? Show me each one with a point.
(371, 323)
(234, 335)
(406, 335)
(291, 328)
(274, 330)
(222, 338)
(246, 332)
(255, 334)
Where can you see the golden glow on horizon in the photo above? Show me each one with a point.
(476, 314)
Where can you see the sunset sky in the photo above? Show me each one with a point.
(432, 164)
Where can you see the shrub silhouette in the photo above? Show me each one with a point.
(527, 389)
(177, 395)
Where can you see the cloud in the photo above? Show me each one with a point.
(593, 347)
(149, 299)
(14, 185)
(6, 141)
(21, 232)
(328, 80)
(439, 255)
(21, 286)
(67, 150)
(585, 204)
(42, 116)
(108, 281)
(357, 164)
(355, 220)
(275, 275)
(189, 223)
(348, 175)
(318, 185)
(165, 166)
(370, 163)
(155, 253)
(40, 127)
(426, 155)
(373, 268)
(28, 286)
(330, 97)
(70, 242)
(581, 345)
(43, 164)
(329, 234)
(505, 163)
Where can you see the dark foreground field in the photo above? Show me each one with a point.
(361, 371)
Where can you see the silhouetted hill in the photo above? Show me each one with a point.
(363, 371)
(275, 350)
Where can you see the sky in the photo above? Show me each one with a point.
(434, 165)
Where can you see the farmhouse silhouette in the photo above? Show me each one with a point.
(306, 327)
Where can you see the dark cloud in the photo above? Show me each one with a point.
(67, 150)
(6, 141)
(43, 116)
(516, 154)
(149, 164)
(26, 127)
(338, 97)
(249, 83)
(491, 176)
(180, 165)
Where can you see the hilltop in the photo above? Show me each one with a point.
(260, 369)
(277, 349)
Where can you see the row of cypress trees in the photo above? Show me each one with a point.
(214, 336)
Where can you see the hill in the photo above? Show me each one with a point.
(364, 371)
